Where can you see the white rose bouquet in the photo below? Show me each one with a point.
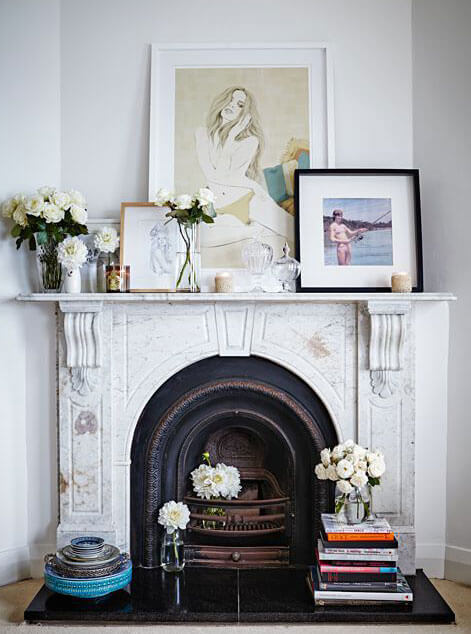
(351, 467)
(189, 211)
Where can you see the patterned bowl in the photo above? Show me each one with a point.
(88, 588)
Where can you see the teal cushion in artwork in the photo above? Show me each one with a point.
(303, 161)
(275, 181)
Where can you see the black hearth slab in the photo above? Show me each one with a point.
(283, 596)
(196, 595)
(202, 595)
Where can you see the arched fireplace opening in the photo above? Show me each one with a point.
(250, 413)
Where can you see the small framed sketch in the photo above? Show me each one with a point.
(148, 245)
(355, 227)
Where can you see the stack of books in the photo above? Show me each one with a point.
(357, 564)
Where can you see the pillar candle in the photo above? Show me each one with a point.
(224, 283)
(401, 283)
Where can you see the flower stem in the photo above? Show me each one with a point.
(175, 548)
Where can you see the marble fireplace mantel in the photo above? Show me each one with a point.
(355, 350)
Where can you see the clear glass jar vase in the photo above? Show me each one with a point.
(49, 269)
(172, 552)
(353, 507)
(188, 263)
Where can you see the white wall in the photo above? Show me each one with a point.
(442, 150)
(103, 113)
(29, 157)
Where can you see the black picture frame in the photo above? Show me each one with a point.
(413, 174)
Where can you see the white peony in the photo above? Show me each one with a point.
(359, 479)
(377, 468)
(184, 201)
(331, 472)
(106, 240)
(231, 486)
(344, 469)
(77, 198)
(162, 196)
(52, 213)
(19, 215)
(344, 486)
(205, 196)
(34, 205)
(72, 253)
(203, 483)
(61, 199)
(79, 214)
(8, 207)
(174, 515)
(320, 471)
(325, 457)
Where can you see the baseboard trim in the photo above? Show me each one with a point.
(458, 564)
(14, 565)
(431, 557)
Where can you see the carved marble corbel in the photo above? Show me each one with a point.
(387, 333)
(82, 330)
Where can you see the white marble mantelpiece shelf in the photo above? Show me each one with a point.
(173, 298)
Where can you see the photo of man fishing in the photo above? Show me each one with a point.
(357, 231)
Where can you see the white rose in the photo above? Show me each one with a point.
(78, 214)
(377, 468)
(348, 444)
(370, 456)
(61, 199)
(19, 215)
(47, 191)
(205, 196)
(359, 452)
(320, 471)
(361, 465)
(337, 452)
(106, 240)
(8, 207)
(344, 468)
(174, 515)
(325, 457)
(52, 213)
(344, 486)
(34, 205)
(77, 198)
(359, 479)
(184, 201)
(162, 196)
(331, 472)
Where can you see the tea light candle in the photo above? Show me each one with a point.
(224, 282)
(401, 283)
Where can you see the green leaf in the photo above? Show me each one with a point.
(32, 244)
(15, 232)
(41, 237)
(207, 219)
(18, 243)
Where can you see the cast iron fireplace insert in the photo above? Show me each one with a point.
(246, 412)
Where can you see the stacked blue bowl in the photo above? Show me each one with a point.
(87, 568)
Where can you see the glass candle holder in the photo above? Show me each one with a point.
(117, 278)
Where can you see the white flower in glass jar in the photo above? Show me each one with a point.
(203, 483)
(344, 468)
(230, 487)
(184, 201)
(320, 471)
(205, 196)
(34, 205)
(359, 479)
(332, 473)
(344, 486)
(377, 468)
(19, 215)
(106, 240)
(72, 253)
(77, 198)
(79, 214)
(162, 196)
(325, 457)
(174, 515)
(52, 213)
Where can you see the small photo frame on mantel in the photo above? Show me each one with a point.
(355, 227)
(148, 245)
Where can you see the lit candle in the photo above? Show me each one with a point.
(401, 283)
(224, 283)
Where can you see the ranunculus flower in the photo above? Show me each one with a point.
(344, 486)
(61, 199)
(52, 213)
(344, 469)
(162, 196)
(184, 201)
(325, 457)
(320, 471)
(34, 205)
(79, 214)
(174, 515)
(359, 479)
(205, 196)
(331, 472)
(377, 468)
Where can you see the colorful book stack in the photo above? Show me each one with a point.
(357, 564)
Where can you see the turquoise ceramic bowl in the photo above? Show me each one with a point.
(88, 588)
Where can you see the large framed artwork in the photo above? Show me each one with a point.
(240, 120)
(148, 244)
(355, 227)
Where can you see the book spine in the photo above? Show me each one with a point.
(372, 570)
(362, 554)
(366, 586)
(349, 578)
(350, 561)
(361, 537)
